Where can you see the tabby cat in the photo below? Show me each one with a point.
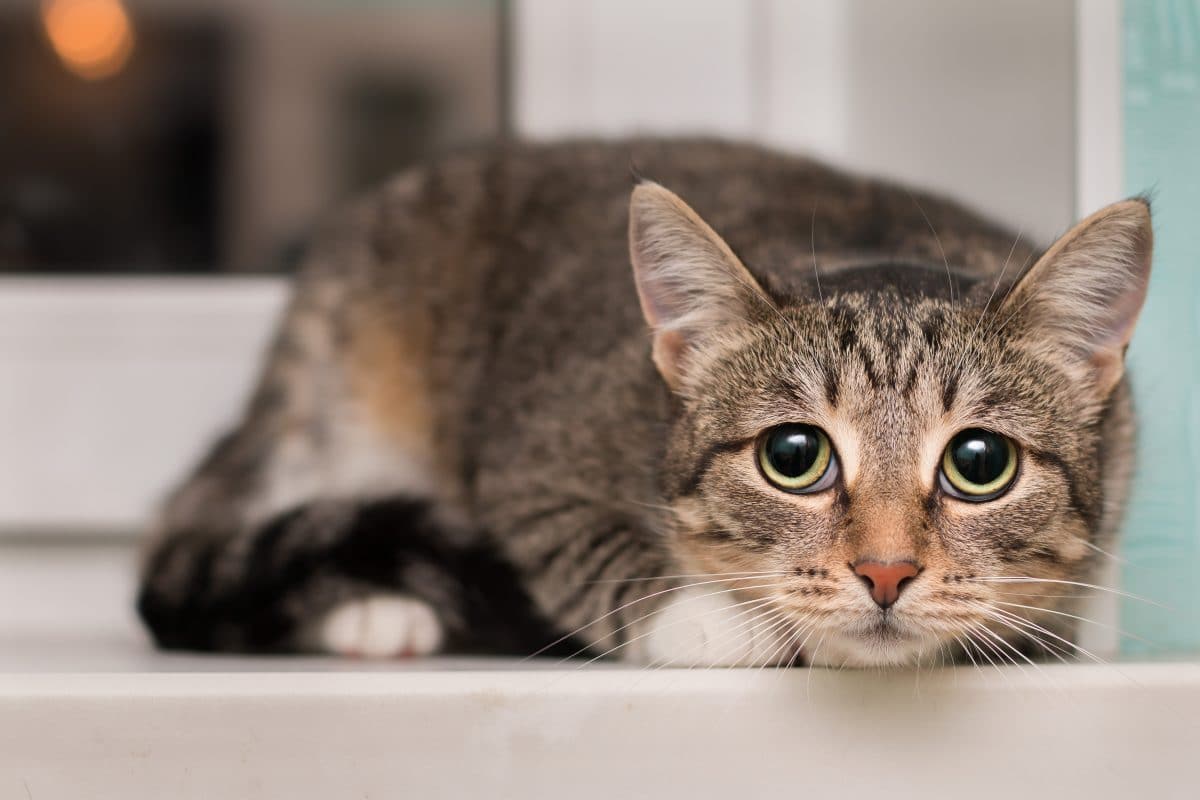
(826, 420)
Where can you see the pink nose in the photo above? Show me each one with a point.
(886, 581)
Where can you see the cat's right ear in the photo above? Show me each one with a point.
(691, 286)
(1084, 295)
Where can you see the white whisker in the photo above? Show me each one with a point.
(967, 651)
(980, 644)
(811, 665)
(1104, 552)
(991, 329)
(728, 575)
(1029, 624)
(812, 237)
(967, 632)
(800, 625)
(938, 239)
(1081, 619)
(983, 313)
(1001, 641)
(1095, 587)
(1044, 596)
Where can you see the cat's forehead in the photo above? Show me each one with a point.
(889, 361)
(883, 341)
(892, 346)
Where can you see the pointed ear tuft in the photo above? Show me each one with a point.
(1086, 292)
(690, 284)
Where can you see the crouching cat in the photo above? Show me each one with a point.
(823, 421)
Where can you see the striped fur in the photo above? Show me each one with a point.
(464, 406)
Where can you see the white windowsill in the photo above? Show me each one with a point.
(248, 728)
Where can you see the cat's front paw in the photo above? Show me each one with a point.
(703, 629)
(380, 626)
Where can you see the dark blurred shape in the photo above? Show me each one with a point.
(385, 121)
(192, 136)
(122, 172)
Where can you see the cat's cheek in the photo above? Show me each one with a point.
(702, 629)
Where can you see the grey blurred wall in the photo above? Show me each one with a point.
(973, 99)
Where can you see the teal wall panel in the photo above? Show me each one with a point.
(1162, 157)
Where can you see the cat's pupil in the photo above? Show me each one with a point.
(980, 456)
(794, 449)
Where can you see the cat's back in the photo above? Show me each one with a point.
(528, 222)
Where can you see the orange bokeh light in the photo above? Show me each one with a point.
(94, 38)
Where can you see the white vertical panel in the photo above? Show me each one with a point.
(672, 65)
(1100, 180)
(972, 99)
(608, 67)
(975, 100)
(551, 82)
(1099, 154)
(806, 91)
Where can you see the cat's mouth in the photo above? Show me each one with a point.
(880, 640)
(886, 629)
(885, 635)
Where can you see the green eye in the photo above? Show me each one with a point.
(796, 457)
(978, 465)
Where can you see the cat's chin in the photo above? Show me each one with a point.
(872, 646)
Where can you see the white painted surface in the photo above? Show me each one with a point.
(1101, 733)
(806, 50)
(109, 389)
(1100, 152)
(972, 99)
(66, 593)
(1099, 181)
(606, 67)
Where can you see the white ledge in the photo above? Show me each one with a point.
(299, 728)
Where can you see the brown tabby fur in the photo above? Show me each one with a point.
(470, 338)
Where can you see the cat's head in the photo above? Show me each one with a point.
(898, 470)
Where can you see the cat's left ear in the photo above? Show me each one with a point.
(1084, 295)
(691, 286)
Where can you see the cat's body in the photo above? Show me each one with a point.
(461, 436)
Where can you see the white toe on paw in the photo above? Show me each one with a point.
(380, 626)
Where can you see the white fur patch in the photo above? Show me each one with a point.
(357, 462)
(381, 626)
(698, 628)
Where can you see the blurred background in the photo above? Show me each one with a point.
(161, 162)
(199, 136)
(149, 136)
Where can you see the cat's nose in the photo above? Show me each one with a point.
(885, 581)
